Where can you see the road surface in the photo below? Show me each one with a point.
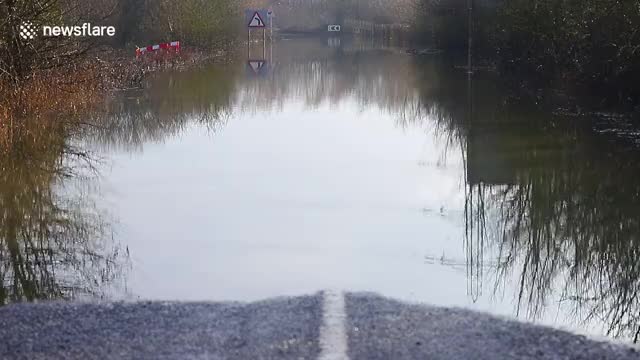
(324, 326)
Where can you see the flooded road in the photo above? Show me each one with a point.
(349, 167)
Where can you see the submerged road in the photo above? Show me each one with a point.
(322, 326)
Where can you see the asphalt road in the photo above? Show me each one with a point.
(284, 328)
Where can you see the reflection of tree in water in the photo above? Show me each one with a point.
(557, 210)
(210, 96)
(576, 231)
(172, 103)
(380, 78)
(54, 243)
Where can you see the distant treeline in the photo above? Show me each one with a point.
(304, 15)
(591, 42)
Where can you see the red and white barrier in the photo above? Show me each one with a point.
(152, 48)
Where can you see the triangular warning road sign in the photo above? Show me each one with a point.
(256, 65)
(256, 21)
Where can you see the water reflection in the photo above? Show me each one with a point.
(312, 74)
(549, 207)
(554, 207)
(54, 241)
(372, 76)
(172, 102)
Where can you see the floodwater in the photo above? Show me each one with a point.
(333, 166)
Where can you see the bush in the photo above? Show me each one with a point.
(584, 41)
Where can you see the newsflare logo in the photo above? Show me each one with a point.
(28, 31)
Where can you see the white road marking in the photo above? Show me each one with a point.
(333, 333)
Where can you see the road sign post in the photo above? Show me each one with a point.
(270, 16)
(258, 19)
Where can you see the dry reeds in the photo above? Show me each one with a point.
(44, 98)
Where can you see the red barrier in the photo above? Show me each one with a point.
(152, 48)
